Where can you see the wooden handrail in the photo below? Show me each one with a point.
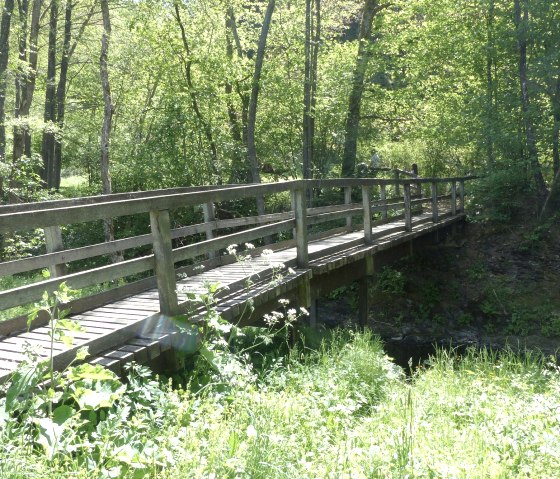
(157, 204)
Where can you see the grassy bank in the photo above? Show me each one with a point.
(344, 411)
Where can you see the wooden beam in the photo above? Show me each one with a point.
(209, 216)
(366, 200)
(300, 213)
(347, 201)
(407, 208)
(453, 198)
(164, 266)
(54, 243)
(383, 198)
(434, 203)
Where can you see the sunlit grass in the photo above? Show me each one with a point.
(344, 411)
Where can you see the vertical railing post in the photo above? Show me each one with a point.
(300, 215)
(462, 196)
(453, 198)
(383, 197)
(163, 261)
(209, 216)
(347, 201)
(397, 184)
(54, 243)
(418, 185)
(435, 212)
(366, 201)
(407, 208)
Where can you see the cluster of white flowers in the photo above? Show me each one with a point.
(273, 318)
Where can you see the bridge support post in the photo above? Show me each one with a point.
(164, 266)
(453, 198)
(347, 201)
(366, 200)
(435, 213)
(53, 243)
(209, 216)
(397, 185)
(383, 198)
(407, 208)
(300, 214)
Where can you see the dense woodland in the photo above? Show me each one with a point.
(143, 94)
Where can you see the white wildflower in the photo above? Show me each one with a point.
(251, 432)
(249, 246)
(231, 249)
(304, 311)
(284, 301)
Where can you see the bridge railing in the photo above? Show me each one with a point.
(167, 248)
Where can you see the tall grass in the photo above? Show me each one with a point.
(340, 411)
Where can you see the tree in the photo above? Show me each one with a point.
(365, 39)
(521, 25)
(4, 54)
(312, 42)
(47, 150)
(252, 114)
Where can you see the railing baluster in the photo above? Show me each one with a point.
(383, 197)
(397, 184)
(54, 243)
(407, 208)
(300, 215)
(435, 213)
(453, 198)
(164, 267)
(347, 201)
(209, 215)
(462, 196)
(366, 200)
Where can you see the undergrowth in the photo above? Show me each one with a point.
(343, 410)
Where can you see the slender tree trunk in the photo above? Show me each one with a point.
(27, 75)
(555, 104)
(61, 93)
(521, 23)
(194, 100)
(108, 111)
(490, 85)
(23, 7)
(252, 116)
(4, 52)
(365, 39)
(47, 150)
(307, 94)
(239, 172)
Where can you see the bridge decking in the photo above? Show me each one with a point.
(133, 328)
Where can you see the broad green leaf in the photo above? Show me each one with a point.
(62, 413)
(26, 377)
(90, 371)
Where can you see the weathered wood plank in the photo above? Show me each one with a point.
(33, 292)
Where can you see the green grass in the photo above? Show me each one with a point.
(344, 411)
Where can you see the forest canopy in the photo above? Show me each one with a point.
(143, 94)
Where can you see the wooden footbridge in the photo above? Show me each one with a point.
(128, 309)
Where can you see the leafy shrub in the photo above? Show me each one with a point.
(391, 281)
(501, 195)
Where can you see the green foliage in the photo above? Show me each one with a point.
(391, 281)
(501, 195)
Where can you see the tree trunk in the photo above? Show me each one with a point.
(22, 138)
(238, 126)
(4, 52)
(23, 7)
(194, 101)
(554, 94)
(365, 39)
(252, 114)
(521, 25)
(47, 150)
(61, 93)
(108, 111)
(490, 85)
